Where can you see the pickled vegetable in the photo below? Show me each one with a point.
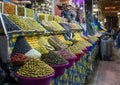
(65, 54)
(53, 59)
(78, 47)
(29, 13)
(9, 8)
(42, 50)
(56, 43)
(18, 59)
(20, 22)
(43, 42)
(61, 37)
(75, 26)
(0, 6)
(48, 26)
(57, 26)
(33, 41)
(20, 11)
(52, 26)
(42, 17)
(35, 24)
(35, 68)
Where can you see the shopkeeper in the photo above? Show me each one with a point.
(30, 5)
(67, 13)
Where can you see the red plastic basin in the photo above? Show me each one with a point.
(79, 56)
(34, 81)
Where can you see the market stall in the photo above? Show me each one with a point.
(37, 50)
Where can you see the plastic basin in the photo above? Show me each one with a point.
(90, 48)
(60, 69)
(34, 81)
(85, 50)
(79, 56)
(71, 61)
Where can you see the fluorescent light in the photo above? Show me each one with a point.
(118, 13)
(95, 9)
(81, 8)
(94, 5)
(94, 13)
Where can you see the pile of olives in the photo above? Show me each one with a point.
(54, 59)
(19, 21)
(35, 68)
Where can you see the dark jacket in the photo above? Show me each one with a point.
(67, 14)
(30, 5)
(77, 15)
(118, 41)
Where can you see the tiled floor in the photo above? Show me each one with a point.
(108, 72)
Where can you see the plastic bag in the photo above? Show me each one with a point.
(33, 53)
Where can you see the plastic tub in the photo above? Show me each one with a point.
(34, 81)
(60, 69)
(79, 56)
(90, 48)
(85, 50)
(71, 61)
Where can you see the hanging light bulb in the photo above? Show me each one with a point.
(81, 7)
(118, 13)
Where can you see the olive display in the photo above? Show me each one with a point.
(78, 47)
(39, 43)
(66, 26)
(56, 42)
(9, 25)
(29, 13)
(33, 41)
(35, 68)
(41, 17)
(35, 24)
(21, 46)
(75, 26)
(74, 49)
(53, 59)
(48, 26)
(65, 54)
(52, 26)
(93, 39)
(20, 11)
(18, 59)
(43, 42)
(9, 8)
(77, 37)
(42, 50)
(20, 22)
(56, 25)
(61, 37)
(0, 6)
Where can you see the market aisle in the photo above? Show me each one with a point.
(108, 72)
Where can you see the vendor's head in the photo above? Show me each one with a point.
(68, 7)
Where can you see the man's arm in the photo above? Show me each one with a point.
(62, 14)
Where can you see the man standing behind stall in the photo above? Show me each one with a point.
(67, 13)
